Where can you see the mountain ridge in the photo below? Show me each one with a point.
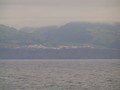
(71, 34)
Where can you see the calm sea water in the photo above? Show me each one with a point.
(60, 74)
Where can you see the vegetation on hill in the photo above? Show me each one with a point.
(71, 34)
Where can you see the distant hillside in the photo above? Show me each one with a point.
(97, 35)
(80, 53)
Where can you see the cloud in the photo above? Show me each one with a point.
(43, 12)
(63, 2)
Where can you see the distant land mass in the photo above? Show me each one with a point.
(72, 40)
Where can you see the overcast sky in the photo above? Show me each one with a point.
(20, 13)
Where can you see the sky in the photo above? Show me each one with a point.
(23, 13)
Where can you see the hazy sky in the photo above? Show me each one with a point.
(19, 13)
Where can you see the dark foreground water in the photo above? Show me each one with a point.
(91, 74)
